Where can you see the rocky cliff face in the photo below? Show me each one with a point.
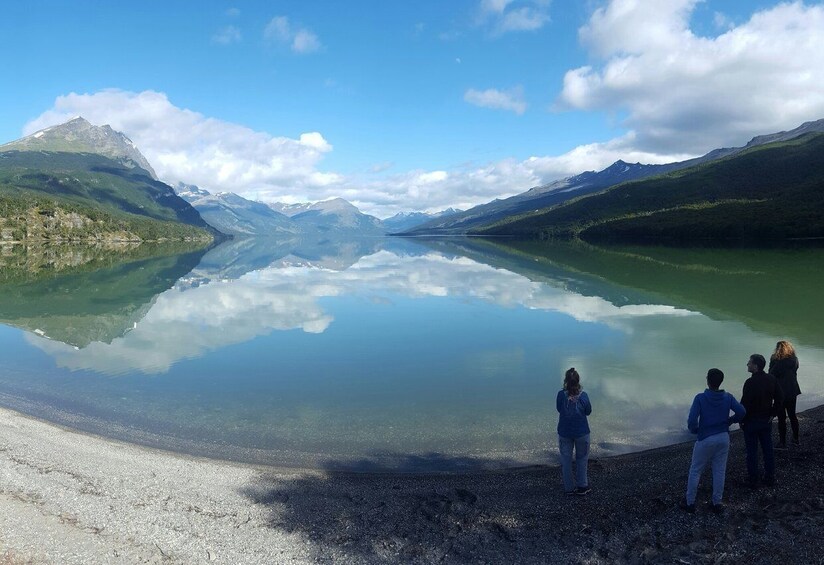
(57, 224)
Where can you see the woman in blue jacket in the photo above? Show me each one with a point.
(573, 432)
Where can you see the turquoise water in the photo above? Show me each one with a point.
(396, 354)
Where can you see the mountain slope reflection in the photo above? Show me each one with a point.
(80, 294)
(233, 259)
(771, 290)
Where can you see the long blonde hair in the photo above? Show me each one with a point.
(572, 382)
(783, 349)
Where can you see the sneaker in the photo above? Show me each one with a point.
(582, 490)
(569, 492)
(717, 508)
(796, 442)
(688, 508)
(782, 445)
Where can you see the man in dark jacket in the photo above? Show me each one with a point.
(761, 398)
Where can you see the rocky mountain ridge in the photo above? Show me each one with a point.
(589, 182)
(78, 135)
(233, 214)
(766, 193)
(403, 221)
(79, 182)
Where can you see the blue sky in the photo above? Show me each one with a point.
(411, 105)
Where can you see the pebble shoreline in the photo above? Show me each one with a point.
(67, 497)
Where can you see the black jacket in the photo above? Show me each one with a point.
(762, 397)
(786, 372)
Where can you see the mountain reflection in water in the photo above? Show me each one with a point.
(82, 294)
(382, 350)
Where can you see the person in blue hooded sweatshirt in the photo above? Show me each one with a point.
(710, 419)
(573, 432)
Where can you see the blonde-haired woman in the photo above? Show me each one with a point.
(573, 432)
(784, 367)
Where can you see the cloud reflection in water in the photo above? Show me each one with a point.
(186, 322)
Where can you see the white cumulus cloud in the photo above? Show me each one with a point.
(512, 99)
(186, 146)
(682, 92)
(299, 40)
(505, 16)
(228, 35)
(433, 191)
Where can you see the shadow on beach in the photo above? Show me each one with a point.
(521, 515)
(407, 517)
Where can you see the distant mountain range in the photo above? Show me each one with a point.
(233, 214)
(767, 192)
(236, 215)
(404, 221)
(478, 218)
(290, 209)
(77, 181)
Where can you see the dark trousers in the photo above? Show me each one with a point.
(759, 432)
(787, 409)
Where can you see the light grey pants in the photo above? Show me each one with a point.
(711, 450)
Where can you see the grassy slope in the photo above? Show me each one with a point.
(774, 191)
(116, 198)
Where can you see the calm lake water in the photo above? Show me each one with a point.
(390, 353)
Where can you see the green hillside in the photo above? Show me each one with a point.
(84, 196)
(769, 192)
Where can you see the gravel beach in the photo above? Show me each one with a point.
(67, 497)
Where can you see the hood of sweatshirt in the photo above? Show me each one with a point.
(714, 398)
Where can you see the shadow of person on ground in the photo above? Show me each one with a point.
(380, 517)
(522, 515)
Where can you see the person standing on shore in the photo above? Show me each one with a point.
(573, 432)
(762, 398)
(710, 418)
(784, 367)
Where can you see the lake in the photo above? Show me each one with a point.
(393, 354)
